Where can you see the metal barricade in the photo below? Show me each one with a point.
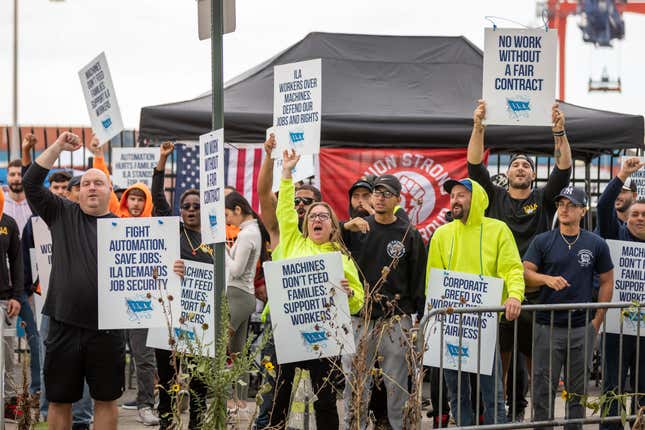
(628, 311)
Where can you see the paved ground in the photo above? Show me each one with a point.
(127, 418)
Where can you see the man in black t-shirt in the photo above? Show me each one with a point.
(75, 349)
(394, 250)
(528, 211)
(562, 263)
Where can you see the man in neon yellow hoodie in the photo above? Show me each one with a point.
(473, 243)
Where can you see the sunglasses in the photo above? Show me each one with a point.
(321, 216)
(187, 206)
(384, 194)
(304, 200)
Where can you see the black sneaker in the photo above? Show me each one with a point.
(519, 416)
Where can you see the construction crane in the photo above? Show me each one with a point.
(601, 23)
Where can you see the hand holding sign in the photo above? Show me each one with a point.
(95, 147)
(479, 114)
(269, 144)
(557, 117)
(68, 142)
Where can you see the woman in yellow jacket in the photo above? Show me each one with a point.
(320, 234)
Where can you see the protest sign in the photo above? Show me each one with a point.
(519, 75)
(193, 329)
(101, 99)
(309, 310)
(629, 286)
(135, 260)
(462, 290)
(305, 168)
(132, 165)
(638, 177)
(211, 186)
(43, 259)
(297, 101)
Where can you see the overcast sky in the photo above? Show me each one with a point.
(155, 56)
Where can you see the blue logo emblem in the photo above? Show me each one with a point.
(184, 334)
(519, 107)
(296, 137)
(139, 308)
(454, 350)
(314, 336)
(212, 220)
(107, 122)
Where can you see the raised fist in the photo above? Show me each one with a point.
(29, 142)
(68, 141)
(166, 148)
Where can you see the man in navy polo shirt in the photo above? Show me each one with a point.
(562, 263)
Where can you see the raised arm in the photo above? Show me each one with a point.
(476, 142)
(99, 163)
(268, 201)
(475, 154)
(162, 208)
(286, 214)
(43, 201)
(562, 152)
(28, 144)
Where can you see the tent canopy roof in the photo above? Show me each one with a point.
(383, 91)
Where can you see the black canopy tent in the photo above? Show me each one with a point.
(383, 91)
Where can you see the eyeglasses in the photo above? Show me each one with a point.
(187, 206)
(563, 205)
(304, 200)
(384, 194)
(322, 216)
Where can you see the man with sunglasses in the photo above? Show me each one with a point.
(392, 243)
(562, 264)
(528, 211)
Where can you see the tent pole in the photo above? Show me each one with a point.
(217, 26)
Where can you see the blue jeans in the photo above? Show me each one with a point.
(33, 338)
(610, 372)
(83, 410)
(491, 399)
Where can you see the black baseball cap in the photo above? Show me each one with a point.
(74, 182)
(389, 182)
(574, 194)
(630, 185)
(361, 183)
(452, 182)
(522, 157)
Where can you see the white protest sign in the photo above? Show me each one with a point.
(462, 290)
(101, 99)
(211, 186)
(132, 165)
(309, 310)
(638, 177)
(43, 259)
(135, 260)
(519, 75)
(193, 331)
(629, 286)
(297, 103)
(306, 168)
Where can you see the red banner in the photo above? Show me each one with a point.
(422, 173)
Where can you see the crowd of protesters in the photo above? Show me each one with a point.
(528, 236)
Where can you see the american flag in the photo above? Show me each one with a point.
(241, 168)
(187, 171)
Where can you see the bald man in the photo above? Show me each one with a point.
(76, 351)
